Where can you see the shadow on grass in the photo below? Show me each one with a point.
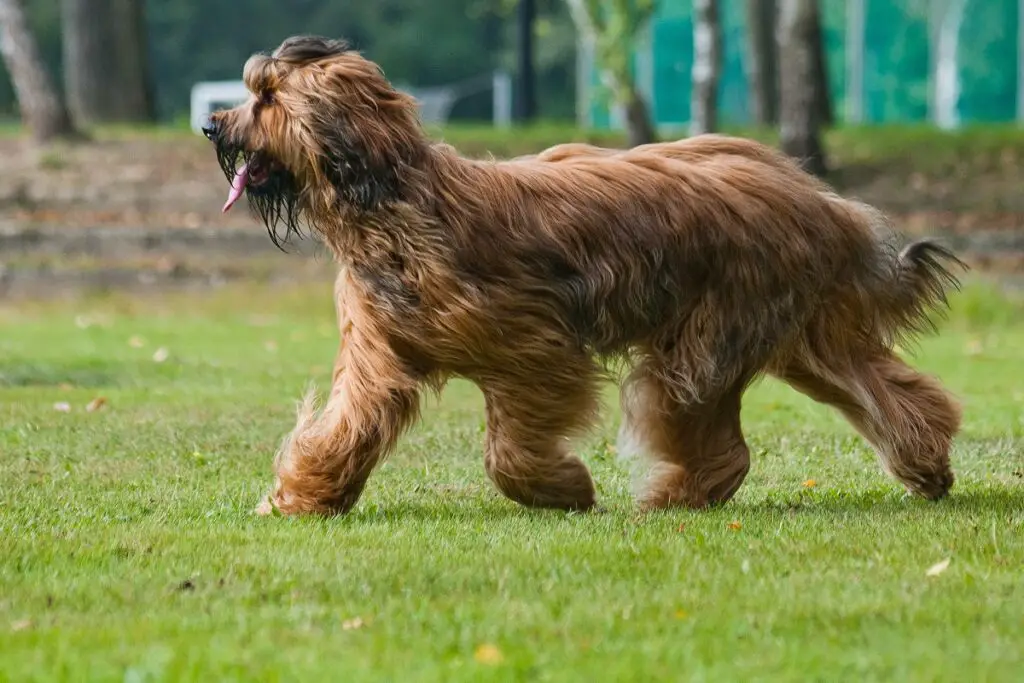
(966, 498)
(51, 375)
(471, 511)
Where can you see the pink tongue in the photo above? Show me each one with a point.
(237, 187)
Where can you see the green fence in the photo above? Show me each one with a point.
(889, 61)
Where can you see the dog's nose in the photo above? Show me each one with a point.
(210, 131)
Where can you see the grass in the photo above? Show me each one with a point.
(128, 550)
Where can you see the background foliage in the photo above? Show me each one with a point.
(446, 41)
(421, 43)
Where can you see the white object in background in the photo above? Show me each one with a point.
(435, 103)
(210, 96)
(947, 71)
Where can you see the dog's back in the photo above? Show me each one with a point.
(635, 241)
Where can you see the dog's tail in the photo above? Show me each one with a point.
(913, 287)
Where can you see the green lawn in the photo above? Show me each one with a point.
(128, 550)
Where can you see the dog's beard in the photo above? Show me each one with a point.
(274, 200)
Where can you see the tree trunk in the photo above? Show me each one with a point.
(639, 129)
(525, 102)
(106, 70)
(707, 64)
(763, 61)
(139, 103)
(822, 94)
(42, 110)
(613, 39)
(799, 106)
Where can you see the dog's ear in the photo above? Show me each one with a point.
(369, 133)
(365, 178)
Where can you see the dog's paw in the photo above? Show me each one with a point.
(266, 508)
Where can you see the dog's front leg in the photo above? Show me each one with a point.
(325, 462)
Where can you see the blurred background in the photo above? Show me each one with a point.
(913, 105)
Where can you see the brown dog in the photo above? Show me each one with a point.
(700, 265)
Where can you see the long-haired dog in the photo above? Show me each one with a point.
(700, 265)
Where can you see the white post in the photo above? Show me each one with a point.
(947, 72)
(855, 38)
(645, 69)
(586, 64)
(502, 103)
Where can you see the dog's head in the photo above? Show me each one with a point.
(321, 127)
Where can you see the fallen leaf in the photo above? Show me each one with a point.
(682, 527)
(352, 624)
(136, 342)
(62, 407)
(973, 347)
(161, 355)
(735, 525)
(681, 614)
(488, 654)
(96, 404)
(270, 345)
(64, 386)
(200, 459)
(938, 568)
(21, 624)
(810, 484)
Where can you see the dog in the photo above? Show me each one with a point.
(685, 269)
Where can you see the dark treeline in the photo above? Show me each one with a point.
(418, 42)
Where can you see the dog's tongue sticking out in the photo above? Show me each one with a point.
(237, 187)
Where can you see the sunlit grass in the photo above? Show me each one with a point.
(128, 549)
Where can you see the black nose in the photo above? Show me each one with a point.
(210, 131)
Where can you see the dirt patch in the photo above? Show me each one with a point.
(131, 182)
(173, 181)
(143, 212)
(52, 262)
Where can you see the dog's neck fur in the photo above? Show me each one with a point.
(351, 212)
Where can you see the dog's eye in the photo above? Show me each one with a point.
(267, 98)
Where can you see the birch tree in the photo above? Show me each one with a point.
(42, 109)
(707, 66)
(612, 27)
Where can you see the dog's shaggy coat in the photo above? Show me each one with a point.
(700, 265)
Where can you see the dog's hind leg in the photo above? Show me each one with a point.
(701, 457)
(528, 426)
(907, 416)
